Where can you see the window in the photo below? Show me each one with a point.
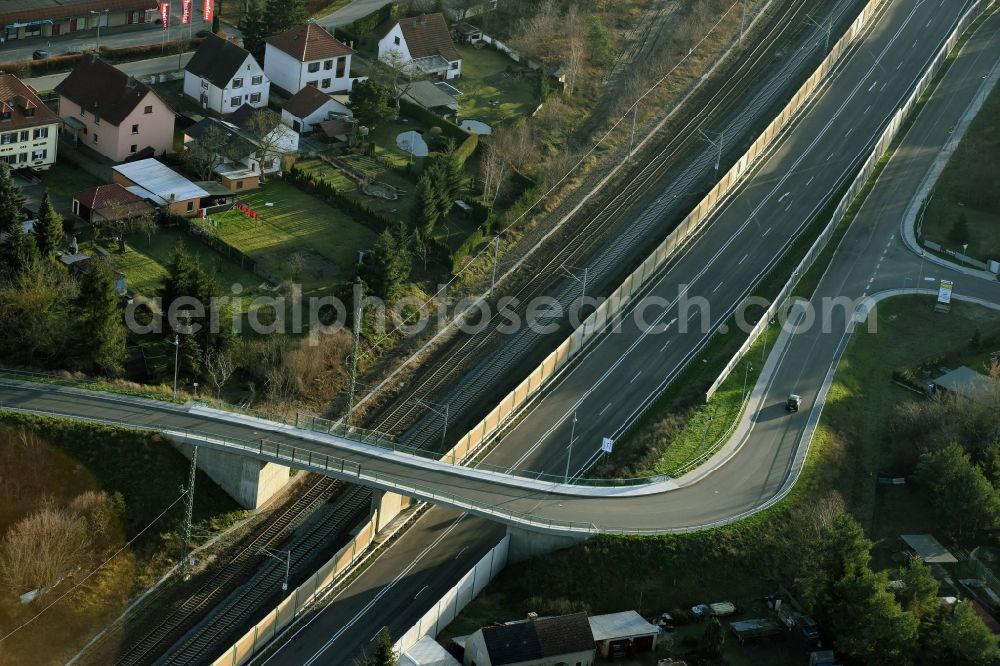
(190, 206)
(341, 66)
(39, 154)
(257, 80)
(239, 184)
(28, 113)
(148, 109)
(10, 159)
(395, 40)
(313, 67)
(204, 84)
(81, 110)
(133, 148)
(234, 102)
(24, 135)
(9, 137)
(95, 138)
(327, 64)
(237, 83)
(135, 129)
(312, 83)
(23, 157)
(254, 98)
(5, 115)
(41, 133)
(455, 64)
(326, 83)
(97, 119)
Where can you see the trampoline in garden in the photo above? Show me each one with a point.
(477, 127)
(411, 142)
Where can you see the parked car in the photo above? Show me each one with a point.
(700, 611)
(40, 55)
(723, 608)
(666, 621)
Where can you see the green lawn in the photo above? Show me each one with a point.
(145, 260)
(970, 186)
(491, 93)
(298, 237)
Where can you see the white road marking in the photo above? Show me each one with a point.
(810, 180)
(867, 109)
(460, 552)
(782, 197)
(376, 634)
(872, 86)
(665, 345)
(767, 232)
(636, 376)
(606, 406)
(745, 256)
(717, 287)
(420, 592)
(849, 131)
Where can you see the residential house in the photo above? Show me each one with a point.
(242, 169)
(308, 55)
(309, 107)
(160, 185)
(110, 202)
(546, 641)
(113, 113)
(222, 77)
(29, 131)
(51, 18)
(424, 44)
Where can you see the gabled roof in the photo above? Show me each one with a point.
(102, 196)
(427, 35)
(538, 638)
(309, 42)
(20, 100)
(306, 101)
(217, 60)
(103, 89)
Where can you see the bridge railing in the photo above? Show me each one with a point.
(315, 461)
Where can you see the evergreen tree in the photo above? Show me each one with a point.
(386, 270)
(280, 15)
(254, 29)
(11, 199)
(384, 653)
(919, 589)
(428, 208)
(370, 103)
(841, 551)
(963, 497)
(19, 252)
(959, 232)
(49, 228)
(956, 635)
(98, 337)
(455, 174)
(712, 639)
(867, 622)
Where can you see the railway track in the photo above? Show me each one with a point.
(677, 144)
(176, 622)
(229, 620)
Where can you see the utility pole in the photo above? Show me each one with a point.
(189, 510)
(828, 28)
(444, 414)
(287, 559)
(355, 339)
(177, 353)
(569, 452)
(717, 145)
(496, 257)
(631, 143)
(582, 281)
(743, 21)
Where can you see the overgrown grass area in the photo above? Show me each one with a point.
(55, 462)
(745, 561)
(494, 88)
(295, 236)
(66, 180)
(964, 207)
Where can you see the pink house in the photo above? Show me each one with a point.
(113, 113)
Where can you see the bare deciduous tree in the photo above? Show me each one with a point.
(219, 366)
(211, 149)
(118, 220)
(42, 549)
(261, 126)
(396, 74)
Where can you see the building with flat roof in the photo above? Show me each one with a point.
(21, 19)
(161, 185)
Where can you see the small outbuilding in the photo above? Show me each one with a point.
(928, 549)
(623, 634)
(160, 184)
(427, 652)
(965, 382)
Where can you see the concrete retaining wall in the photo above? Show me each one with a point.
(250, 482)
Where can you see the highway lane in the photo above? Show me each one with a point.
(731, 490)
(607, 389)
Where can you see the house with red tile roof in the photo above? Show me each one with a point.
(110, 202)
(424, 43)
(29, 131)
(308, 55)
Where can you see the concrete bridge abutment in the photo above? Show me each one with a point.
(250, 482)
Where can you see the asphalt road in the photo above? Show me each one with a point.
(626, 367)
(138, 69)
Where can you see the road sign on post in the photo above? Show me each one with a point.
(607, 445)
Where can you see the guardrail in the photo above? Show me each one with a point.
(605, 314)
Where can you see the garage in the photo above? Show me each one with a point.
(625, 634)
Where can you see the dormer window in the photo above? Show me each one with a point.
(29, 112)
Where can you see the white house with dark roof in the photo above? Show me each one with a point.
(545, 641)
(424, 43)
(308, 55)
(310, 107)
(222, 77)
